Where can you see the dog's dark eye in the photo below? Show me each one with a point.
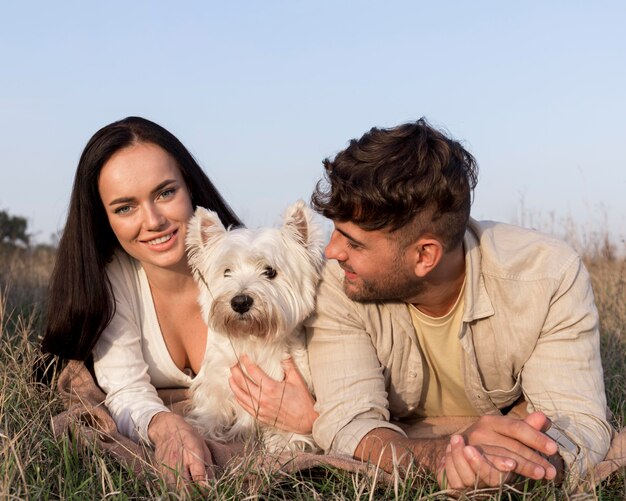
(227, 272)
(269, 272)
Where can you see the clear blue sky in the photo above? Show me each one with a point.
(261, 92)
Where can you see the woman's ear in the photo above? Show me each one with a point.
(426, 254)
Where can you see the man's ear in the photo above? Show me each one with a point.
(426, 254)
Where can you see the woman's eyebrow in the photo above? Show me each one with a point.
(125, 200)
(162, 185)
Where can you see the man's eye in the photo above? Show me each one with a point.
(227, 273)
(269, 272)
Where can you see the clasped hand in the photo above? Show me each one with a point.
(494, 448)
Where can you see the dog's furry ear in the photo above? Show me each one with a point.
(297, 221)
(204, 226)
(299, 224)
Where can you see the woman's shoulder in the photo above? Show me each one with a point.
(124, 270)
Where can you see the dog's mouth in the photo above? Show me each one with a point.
(238, 317)
(245, 325)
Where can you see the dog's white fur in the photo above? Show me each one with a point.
(240, 263)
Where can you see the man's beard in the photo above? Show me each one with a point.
(396, 285)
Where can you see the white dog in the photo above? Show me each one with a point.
(257, 286)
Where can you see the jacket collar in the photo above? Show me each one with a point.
(477, 302)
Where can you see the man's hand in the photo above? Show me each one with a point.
(495, 446)
(521, 440)
(485, 455)
(179, 450)
(286, 404)
(463, 467)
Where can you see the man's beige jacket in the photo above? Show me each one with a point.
(530, 329)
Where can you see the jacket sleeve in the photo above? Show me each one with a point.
(347, 375)
(119, 364)
(563, 377)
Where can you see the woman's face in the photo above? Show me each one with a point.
(148, 205)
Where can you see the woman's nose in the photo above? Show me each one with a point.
(153, 218)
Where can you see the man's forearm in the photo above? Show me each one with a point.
(386, 448)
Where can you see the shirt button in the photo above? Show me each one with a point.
(413, 374)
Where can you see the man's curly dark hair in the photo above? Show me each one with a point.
(411, 178)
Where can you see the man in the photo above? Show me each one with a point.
(428, 313)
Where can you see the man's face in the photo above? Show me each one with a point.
(375, 267)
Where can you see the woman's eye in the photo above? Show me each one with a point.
(227, 273)
(269, 272)
(125, 209)
(167, 193)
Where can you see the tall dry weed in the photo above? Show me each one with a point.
(24, 276)
(609, 284)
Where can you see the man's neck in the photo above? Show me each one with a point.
(442, 286)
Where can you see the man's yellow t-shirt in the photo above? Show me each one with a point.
(443, 392)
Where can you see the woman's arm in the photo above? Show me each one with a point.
(122, 372)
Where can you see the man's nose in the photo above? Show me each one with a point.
(336, 249)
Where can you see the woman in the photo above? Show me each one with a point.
(122, 292)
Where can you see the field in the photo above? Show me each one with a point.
(36, 465)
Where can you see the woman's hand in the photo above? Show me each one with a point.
(179, 450)
(286, 404)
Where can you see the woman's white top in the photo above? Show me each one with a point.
(131, 359)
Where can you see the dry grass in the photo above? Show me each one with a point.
(609, 284)
(36, 465)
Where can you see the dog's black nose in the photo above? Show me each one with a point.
(241, 303)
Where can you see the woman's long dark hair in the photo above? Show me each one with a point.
(80, 300)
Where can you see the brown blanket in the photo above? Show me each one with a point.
(88, 421)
